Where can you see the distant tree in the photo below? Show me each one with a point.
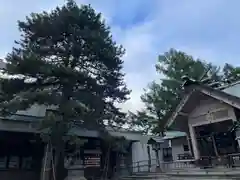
(161, 97)
(230, 73)
(141, 121)
(67, 59)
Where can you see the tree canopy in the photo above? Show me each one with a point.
(67, 60)
(161, 96)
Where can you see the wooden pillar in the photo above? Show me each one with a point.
(237, 130)
(214, 145)
(189, 144)
(149, 159)
(46, 163)
(157, 158)
(194, 142)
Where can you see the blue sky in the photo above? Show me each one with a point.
(206, 29)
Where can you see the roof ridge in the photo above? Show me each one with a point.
(215, 93)
(228, 85)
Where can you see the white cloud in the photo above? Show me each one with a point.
(140, 50)
(171, 22)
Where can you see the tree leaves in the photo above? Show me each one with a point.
(71, 54)
(74, 65)
(161, 98)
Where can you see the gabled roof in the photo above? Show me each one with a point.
(156, 139)
(174, 134)
(225, 87)
(197, 91)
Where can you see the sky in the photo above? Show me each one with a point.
(205, 29)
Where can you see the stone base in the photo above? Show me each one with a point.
(158, 169)
(76, 178)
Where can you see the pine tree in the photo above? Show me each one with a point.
(67, 59)
(161, 97)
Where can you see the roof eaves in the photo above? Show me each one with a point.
(215, 93)
(178, 108)
(228, 85)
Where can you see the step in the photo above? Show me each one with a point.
(180, 178)
(146, 176)
(207, 171)
(189, 174)
(163, 177)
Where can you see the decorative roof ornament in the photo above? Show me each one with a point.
(205, 79)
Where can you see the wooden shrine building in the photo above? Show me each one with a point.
(210, 117)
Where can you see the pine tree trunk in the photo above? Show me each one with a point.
(61, 171)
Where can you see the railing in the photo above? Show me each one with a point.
(146, 166)
(179, 164)
(210, 162)
(136, 167)
(227, 161)
(234, 160)
(184, 156)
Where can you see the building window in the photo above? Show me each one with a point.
(167, 154)
(27, 162)
(3, 162)
(13, 162)
(185, 148)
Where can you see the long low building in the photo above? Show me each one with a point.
(21, 144)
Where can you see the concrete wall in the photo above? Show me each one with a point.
(177, 147)
(140, 154)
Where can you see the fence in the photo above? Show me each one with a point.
(228, 161)
(146, 166)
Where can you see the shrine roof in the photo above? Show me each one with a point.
(197, 92)
(174, 134)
